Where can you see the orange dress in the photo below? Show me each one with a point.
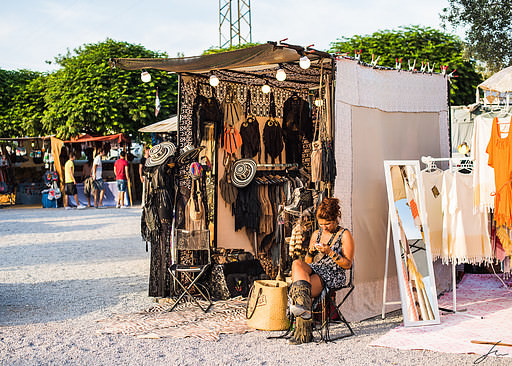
(500, 158)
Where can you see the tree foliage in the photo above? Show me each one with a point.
(488, 29)
(422, 44)
(12, 86)
(211, 50)
(86, 95)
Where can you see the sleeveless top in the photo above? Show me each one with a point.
(333, 276)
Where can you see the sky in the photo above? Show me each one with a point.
(33, 32)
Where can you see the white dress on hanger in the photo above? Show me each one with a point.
(483, 174)
(432, 186)
(465, 234)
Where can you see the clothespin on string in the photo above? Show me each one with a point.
(398, 64)
(279, 42)
(451, 75)
(423, 66)
(411, 68)
(374, 60)
(431, 70)
(358, 54)
(443, 69)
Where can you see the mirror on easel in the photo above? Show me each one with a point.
(413, 256)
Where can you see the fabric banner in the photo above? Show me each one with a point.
(390, 90)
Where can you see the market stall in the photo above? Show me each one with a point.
(372, 115)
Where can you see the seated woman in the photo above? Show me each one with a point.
(336, 248)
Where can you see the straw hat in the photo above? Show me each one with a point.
(188, 154)
(244, 171)
(160, 153)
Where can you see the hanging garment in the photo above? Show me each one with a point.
(205, 110)
(432, 185)
(293, 147)
(232, 110)
(231, 140)
(465, 234)
(273, 139)
(251, 141)
(316, 162)
(156, 225)
(500, 158)
(483, 174)
(194, 211)
(328, 162)
(297, 116)
(247, 208)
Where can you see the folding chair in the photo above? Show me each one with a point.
(197, 240)
(325, 307)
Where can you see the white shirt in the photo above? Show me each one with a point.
(99, 169)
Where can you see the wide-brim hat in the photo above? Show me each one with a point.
(244, 171)
(188, 154)
(159, 154)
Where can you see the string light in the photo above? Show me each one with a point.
(214, 80)
(265, 88)
(304, 62)
(280, 74)
(145, 76)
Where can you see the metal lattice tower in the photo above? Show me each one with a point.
(234, 22)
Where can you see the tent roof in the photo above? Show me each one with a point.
(88, 138)
(167, 125)
(500, 82)
(266, 54)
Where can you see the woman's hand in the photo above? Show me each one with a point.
(322, 248)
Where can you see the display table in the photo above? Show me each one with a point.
(109, 198)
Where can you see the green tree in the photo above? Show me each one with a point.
(13, 84)
(87, 95)
(488, 29)
(422, 44)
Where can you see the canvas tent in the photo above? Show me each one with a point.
(166, 126)
(379, 115)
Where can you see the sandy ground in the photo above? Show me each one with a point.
(60, 271)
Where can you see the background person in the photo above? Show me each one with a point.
(335, 246)
(122, 177)
(98, 184)
(86, 174)
(70, 182)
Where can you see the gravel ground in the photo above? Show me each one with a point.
(60, 271)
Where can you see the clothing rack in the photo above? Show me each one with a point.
(429, 161)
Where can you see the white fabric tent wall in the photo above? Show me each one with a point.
(380, 115)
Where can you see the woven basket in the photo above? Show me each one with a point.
(266, 305)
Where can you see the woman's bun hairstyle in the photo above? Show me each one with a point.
(329, 209)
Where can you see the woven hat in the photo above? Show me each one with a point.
(188, 154)
(159, 154)
(244, 171)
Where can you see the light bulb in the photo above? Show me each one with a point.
(145, 76)
(265, 89)
(214, 80)
(463, 148)
(304, 62)
(319, 102)
(280, 75)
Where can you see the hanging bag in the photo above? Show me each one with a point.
(228, 191)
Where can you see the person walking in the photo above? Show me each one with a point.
(70, 182)
(87, 178)
(122, 178)
(99, 186)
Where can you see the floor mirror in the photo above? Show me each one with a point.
(411, 243)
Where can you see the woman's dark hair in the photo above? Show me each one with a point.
(329, 209)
